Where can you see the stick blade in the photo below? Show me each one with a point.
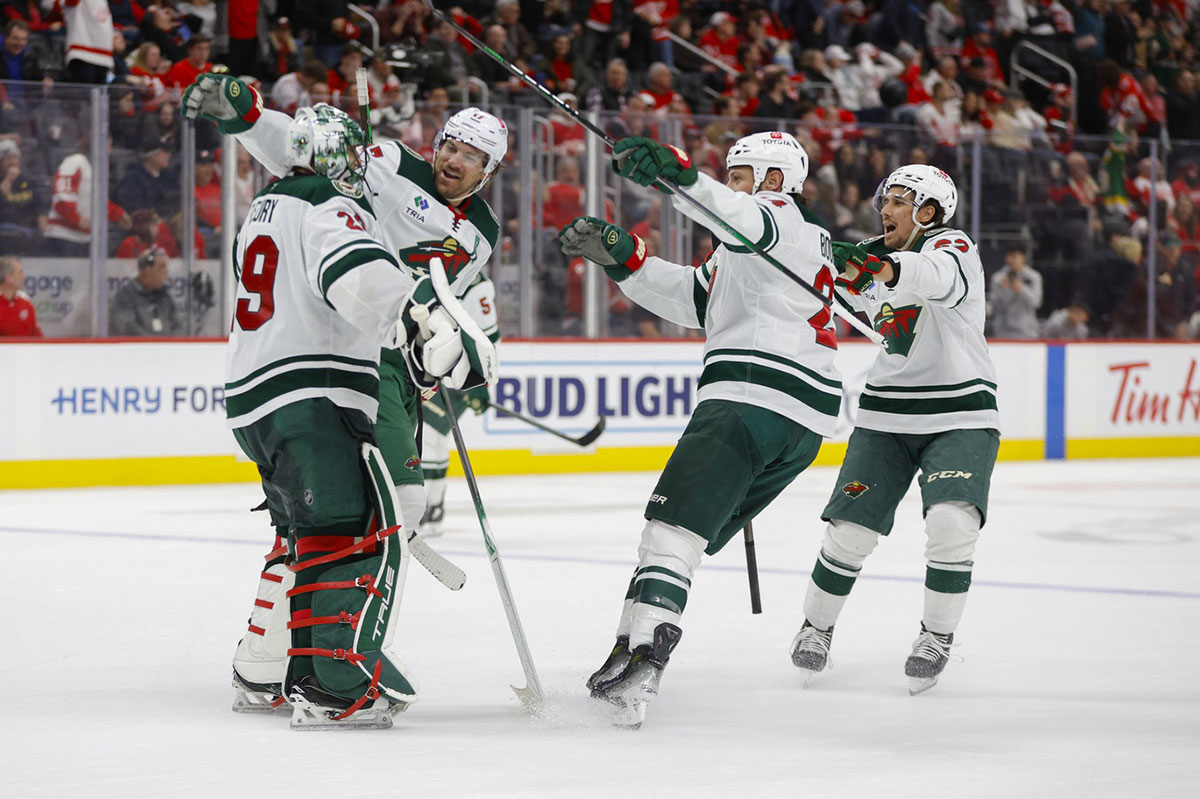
(530, 696)
(591, 435)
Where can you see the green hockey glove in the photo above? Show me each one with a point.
(223, 99)
(847, 255)
(477, 399)
(644, 161)
(620, 253)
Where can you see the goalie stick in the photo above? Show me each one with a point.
(583, 441)
(531, 694)
(851, 318)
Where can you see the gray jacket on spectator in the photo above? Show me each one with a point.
(1059, 325)
(137, 311)
(1014, 309)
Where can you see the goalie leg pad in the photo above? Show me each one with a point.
(667, 559)
(350, 622)
(260, 662)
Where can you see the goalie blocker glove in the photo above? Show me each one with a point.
(644, 161)
(620, 252)
(849, 255)
(223, 99)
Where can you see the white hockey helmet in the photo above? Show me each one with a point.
(329, 142)
(478, 129)
(927, 183)
(771, 150)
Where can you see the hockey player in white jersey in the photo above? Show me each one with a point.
(317, 298)
(768, 394)
(929, 406)
(424, 210)
(436, 441)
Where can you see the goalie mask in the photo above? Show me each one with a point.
(328, 142)
(772, 150)
(924, 184)
(481, 130)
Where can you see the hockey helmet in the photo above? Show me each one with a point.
(329, 142)
(926, 183)
(480, 130)
(771, 150)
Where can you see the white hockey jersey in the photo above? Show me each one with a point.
(317, 295)
(935, 373)
(415, 223)
(768, 342)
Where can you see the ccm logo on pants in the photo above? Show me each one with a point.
(947, 475)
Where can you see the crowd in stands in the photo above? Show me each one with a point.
(1074, 206)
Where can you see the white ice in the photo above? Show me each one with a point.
(1080, 647)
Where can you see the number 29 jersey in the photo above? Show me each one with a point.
(317, 295)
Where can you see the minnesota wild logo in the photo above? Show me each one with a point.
(855, 490)
(451, 253)
(898, 326)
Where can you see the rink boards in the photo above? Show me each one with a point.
(152, 412)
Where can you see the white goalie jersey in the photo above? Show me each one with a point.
(935, 373)
(769, 342)
(317, 296)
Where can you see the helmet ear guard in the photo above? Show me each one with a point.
(763, 152)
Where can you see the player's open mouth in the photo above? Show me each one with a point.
(450, 175)
(889, 227)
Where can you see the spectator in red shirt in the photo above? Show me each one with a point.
(17, 314)
(145, 234)
(1185, 221)
(659, 92)
(343, 79)
(149, 67)
(745, 93)
(182, 73)
(208, 192)
(1187, 181)
(1059, 127)
(563, 196)
(979, 45)
(721, 40)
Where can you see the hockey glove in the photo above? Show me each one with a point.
(430, 341)
(477, 399)
(620, 253)
(867, 266)
(644, 161)
(223, 99)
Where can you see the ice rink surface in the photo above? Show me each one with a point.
(1080, 674)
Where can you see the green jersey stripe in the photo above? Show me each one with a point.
(323, 357)
(769, 237)
(662, 570)
(700, 299)
(963, 275)
(979, 381)
(759, 375)
(296, 379)
(768, 356)
(351, 260)
(338, 250)
(978, 401)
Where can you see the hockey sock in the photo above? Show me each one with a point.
(669, 556)
(951, 530)
(845, 548)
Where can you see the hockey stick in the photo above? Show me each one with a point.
(364, 102)
(752, 568)
(584, 440)
(549, 96)
(531, 694)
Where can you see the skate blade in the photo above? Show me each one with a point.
(256, 701)
(307, 716)
(807, 676)
(629, 714)
(919, 685)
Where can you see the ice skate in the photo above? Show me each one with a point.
(315, 709)
(252, 697)
(633, 688)
(617, 660)
(810, 650)
(430, 525)
(928, 658)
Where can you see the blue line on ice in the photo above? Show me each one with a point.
(192, 539)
